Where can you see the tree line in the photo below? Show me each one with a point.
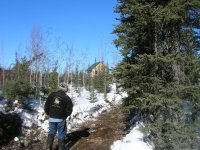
(21, 82)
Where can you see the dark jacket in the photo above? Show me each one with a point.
(58, 105)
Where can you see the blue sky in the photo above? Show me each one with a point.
(85, 24)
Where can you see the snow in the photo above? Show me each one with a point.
(132, 141)
(83, 110)
(16, 139)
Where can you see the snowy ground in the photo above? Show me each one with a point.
(132, 141)
(85, 110)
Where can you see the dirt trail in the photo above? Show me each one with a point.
(99, 134)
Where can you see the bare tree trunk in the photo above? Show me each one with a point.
(36, 79)
(78, 74)
(3, 83)
(40, 85)
(155, 41)
(30, 77)
(84, 61)
(58, 78)
(69, 63)
(59, 56)
(176, 66)
(83, 78)
(36, 49)
(65, 77)
(68, 74)
(40, 81)
(71, 77)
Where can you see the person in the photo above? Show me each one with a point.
(58, 107)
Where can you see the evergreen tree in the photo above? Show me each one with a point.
(99, 80)
(160, 69)
(82, 78)
(18, 87)
(53, 80)
(107, 80)
(88, 82)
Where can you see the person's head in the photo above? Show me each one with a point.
(63, 86)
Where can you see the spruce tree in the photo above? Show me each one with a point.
(18, 86)
(160, 67)
(99, 81)
(53, 80)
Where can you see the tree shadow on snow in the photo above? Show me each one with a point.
(73, 137)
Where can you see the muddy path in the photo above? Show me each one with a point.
(99, 134)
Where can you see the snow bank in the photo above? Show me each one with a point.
(83, 109)
(132, 141)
